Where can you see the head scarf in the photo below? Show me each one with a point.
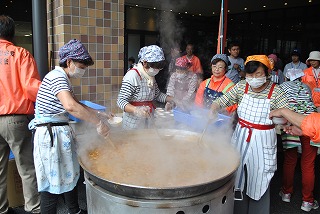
(260, 58)
(74, 49)
(152, 53)
(274, 57)
(223, 57)
(182, 62)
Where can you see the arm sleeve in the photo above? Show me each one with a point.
(30, 79)
(159, 96)
(310, 126)
(170, 89)
(125, 94)
(57, 82)
(234, 107)
(230, 98)
(130, 86)
(279, 99)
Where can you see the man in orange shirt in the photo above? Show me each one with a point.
(194, 62)
(19, 83)
(307, 125)
(312, 77)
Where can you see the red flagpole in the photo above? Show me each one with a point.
(222, 34)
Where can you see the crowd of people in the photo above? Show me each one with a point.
(255, 90)
(249, 89)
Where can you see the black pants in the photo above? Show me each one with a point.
(250, 206)
(49, 202)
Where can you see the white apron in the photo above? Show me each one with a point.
(257, 145)
(55, 160)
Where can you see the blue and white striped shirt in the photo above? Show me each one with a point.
(54, 82)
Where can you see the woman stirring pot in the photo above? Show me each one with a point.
(55, 158)
(182, 85)
(254, 136)
(139, 88)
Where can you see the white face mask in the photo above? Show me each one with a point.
(256, 82)
(77, 73)
(152, 72)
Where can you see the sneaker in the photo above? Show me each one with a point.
(285, 197)
(307, 206)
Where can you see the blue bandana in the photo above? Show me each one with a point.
(152, 53)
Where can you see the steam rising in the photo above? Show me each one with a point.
(143, 159)
(171, 30)
(171, 155)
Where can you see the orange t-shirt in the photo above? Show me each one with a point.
(310, 127)
(310, 81)
(19, 80)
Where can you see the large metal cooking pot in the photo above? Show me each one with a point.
(177, 192)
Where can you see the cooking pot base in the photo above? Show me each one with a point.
(100, 201)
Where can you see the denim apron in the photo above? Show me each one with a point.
(210, 95)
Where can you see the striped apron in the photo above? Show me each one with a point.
(255, 139)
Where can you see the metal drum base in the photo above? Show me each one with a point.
(101, 201)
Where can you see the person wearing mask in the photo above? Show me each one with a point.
(276, 74)
(236, 67)
(55, 157)
(215, 86)
(299, 98)
(254, 136)
(306, 125)
(19, 84)
(182, 85)
(139, 88)
(295, 64)
(312, 77)
(195, 64)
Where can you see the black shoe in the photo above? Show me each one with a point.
(11, 211)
